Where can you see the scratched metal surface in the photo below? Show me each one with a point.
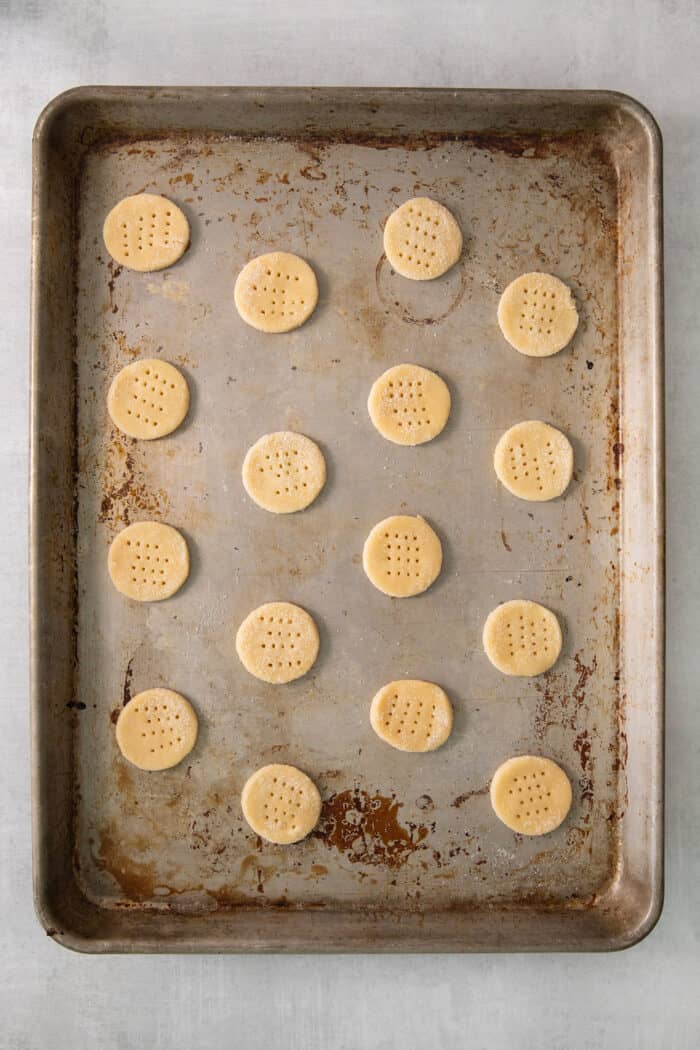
(396, 828)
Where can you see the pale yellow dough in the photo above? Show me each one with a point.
(277, 642)
(537, 314)
(409, 405)
(281, 804)
(284, 472)
(156, 729)
(148, 399)
(534, 461)
(531, 795)
(402, 556)
(148, 561)
(276, 292)
(412, 715)
(522, 638)
(146, 232)
(422, 239)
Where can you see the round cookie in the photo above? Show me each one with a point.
(411, 715)
(148, 561)
(277, 642)
(537, 314)
(402, 556)
(281, 804)
(534, 461)
(284, 472)
(156, 729)
(409, 405)
(522, 638)
(530, 795)
(148, 399)
(276, 292)
(422, 239)
(146, 232)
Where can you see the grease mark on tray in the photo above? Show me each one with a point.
(390, 293)
(365, 828)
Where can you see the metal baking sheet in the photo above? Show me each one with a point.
(408, 855)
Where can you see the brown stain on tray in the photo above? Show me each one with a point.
(365, 828)
(137, 879)
(124, 493)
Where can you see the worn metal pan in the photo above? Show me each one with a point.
(408, 855)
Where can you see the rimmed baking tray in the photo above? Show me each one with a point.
(408, 855)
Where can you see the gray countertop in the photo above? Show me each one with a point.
(645, 997)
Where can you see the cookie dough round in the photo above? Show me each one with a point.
(534, 461)
(422, 239)
(277, 642)
(148, 561)
(276, 292)
(537, 314)
(284, 472)
(409, 405)
(148, 399)
(146, 232)
(412, 715)
(156, 729)
(402, 556)
(522, 638)
(531, 795)
(281, 804)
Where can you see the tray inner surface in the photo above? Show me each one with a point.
(397, 831)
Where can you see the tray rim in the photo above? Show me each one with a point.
(54, 919)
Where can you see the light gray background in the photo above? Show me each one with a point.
(646, 997)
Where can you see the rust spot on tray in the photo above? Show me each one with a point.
(185, 177)
(123, 490)
(461, 799)
(119, 338)
(504, 541)
(137, 879)
(114, 271)
(313, 169)
(584, 672)
(618, 448)
(554, 706)
(365, 828)
(582, 745)
(128, 675)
